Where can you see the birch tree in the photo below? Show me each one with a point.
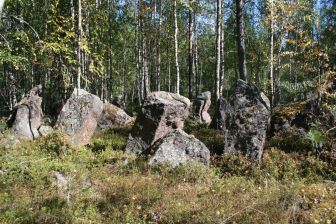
(191, 60)
(271, 57)
(79, 43)
(240, 26)
(218, 48)
(176, 49)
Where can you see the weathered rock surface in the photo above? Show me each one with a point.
(27, 115)
(161, 113)
(201, 106)
(113, 117)
(79, 116)
(44, 130)
(244, 118)
(177, 148)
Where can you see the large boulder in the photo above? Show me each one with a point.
(79, 116)
(161, 113)
(113, 117)
(177, 148)
(27, 115)
(201, 106)
(244, 118)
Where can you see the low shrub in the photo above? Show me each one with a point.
(109, 140)
(213, 139)
(106, 185)
(291, 140)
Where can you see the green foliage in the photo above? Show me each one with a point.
(3, 125)
(277, 165)
(297, 91)
(291, 140)
(109, 140)
(54, 143)
(317, 138)
(213, 139)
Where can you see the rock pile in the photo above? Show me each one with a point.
(158, 132)
(161, 113)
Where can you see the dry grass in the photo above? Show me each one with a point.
(105, 185)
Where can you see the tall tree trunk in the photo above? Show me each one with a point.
(169, 70)
(124, 87)
(191, 67)
(176, 50)
(2, 2)
(137, 52)
(241, 39)
(79, 43)
(222, 53)
(145, 68)
(110, 50)
(218, 48)
(197, 72)
(158, 63)
(271, 60)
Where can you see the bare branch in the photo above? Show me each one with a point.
(21, 20)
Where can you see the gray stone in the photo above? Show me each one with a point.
(177, 148)
(27, 115)
(161, 113)
(60, 180)
(114, 117)
(201, 106)
(244, 118)
(79, 116)
(44, 130)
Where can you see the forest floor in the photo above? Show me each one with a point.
(46, 181)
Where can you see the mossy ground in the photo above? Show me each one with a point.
(105, 185)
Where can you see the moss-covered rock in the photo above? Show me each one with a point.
(293, 127)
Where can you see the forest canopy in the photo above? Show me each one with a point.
(129, 48)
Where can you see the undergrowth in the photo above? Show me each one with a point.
(47, 181)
